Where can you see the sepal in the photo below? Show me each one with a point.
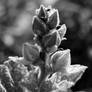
(5, 75)
(53, 19)
(39, 27)
(74, 72)
(62, 31)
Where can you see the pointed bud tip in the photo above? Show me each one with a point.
(42, 6)
(38, 26)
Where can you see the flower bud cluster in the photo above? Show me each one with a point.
(43, 67)
(46, 25)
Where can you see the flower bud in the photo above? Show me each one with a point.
(50, 40)
(53, 20)
(30, 52)
(39, 27)
(61, 60)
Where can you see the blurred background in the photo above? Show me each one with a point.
(16, 28)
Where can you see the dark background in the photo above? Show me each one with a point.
(15, 29)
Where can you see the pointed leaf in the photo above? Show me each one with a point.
(30, 52)
(75, 72)
(58, 39)
(39, 27)
(53, 20)
(62, 31)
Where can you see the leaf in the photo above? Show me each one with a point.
(61, 60)
(58, 39)
(74, 72)
(30, 81)
(30, 52)
(53, 19)
(6, 76)
(39, 27)
(62, 31)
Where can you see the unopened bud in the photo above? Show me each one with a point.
(30, 52)
(50, 40)
(53, 20)
(61, 60)
(39, 27)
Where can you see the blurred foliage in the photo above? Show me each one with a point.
(15, 29)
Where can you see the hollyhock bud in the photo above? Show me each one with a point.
(30, 52)
(50, 40)
(60, 60)
(53, 19)
(39, 27)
